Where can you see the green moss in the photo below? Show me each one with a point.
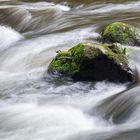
(77, 52)
(124, 51)
(119, 32)
(69, 62)
(92, 51)
(62, 63)
(116, 55)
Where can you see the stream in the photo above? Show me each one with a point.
(36, 106)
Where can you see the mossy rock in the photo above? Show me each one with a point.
(119, 32)
(93, 62)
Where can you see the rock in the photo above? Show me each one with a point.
(93, 62)
(119, 32)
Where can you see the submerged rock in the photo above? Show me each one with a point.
(93, 62)
(120, 32)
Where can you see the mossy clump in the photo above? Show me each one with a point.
(67, 62)
(93, 62)
(119, 32)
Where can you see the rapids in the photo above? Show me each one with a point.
(36, 106)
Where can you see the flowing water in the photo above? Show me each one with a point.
(36, 106)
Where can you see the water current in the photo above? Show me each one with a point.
(37, 106)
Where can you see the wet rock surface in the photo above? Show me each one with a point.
(93, 62)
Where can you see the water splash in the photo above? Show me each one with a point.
(8, 37)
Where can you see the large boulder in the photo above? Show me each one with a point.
(93, 62)
(119, 32)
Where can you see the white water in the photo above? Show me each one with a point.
(34, 109)
(8, 37)
(44, 5)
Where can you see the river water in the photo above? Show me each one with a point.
(36, 106)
